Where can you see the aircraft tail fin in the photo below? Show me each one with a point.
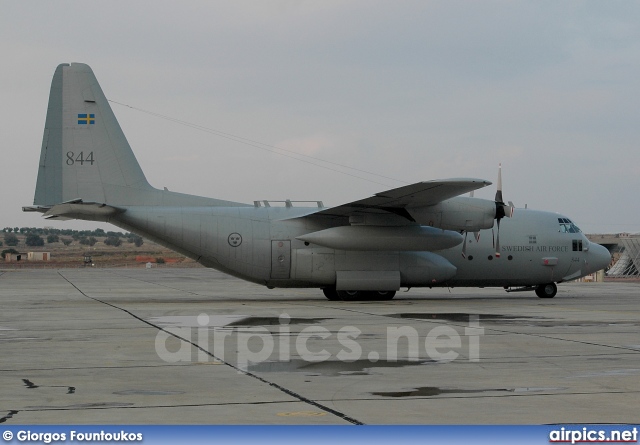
(85, 155)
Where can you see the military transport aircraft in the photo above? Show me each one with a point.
(412, 236)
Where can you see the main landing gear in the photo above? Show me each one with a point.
(547, 290)
(357, 295)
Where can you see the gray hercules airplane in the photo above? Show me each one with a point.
(412, 236)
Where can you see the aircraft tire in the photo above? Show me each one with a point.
(547, 290)
(331, 293)
(382, 295)
(351, 295)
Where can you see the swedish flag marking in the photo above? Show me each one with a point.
(86, 119)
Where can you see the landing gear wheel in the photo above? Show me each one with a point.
(382, 295)
(547, 290)
(350, 295)
(331, 293)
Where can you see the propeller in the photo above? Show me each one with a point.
(502, 209)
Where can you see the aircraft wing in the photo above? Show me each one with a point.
(399, 199)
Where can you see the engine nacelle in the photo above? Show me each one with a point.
(460, 213)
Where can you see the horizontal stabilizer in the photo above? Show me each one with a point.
(41, 209)
(76, 209)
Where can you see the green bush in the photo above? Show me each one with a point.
(34, 240)
(113, 241)
(88, 241)
(10, 239)
(6, 251)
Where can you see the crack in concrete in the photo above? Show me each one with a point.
(238, 369)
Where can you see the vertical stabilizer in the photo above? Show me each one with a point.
(85, 154)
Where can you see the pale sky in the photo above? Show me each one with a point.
(411, 90)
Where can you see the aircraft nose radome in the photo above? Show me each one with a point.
(601, 257)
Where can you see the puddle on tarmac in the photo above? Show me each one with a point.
(147, 392)
(195, 321)
(84, 406)
(333, 368)
(271, 321)
(216, 321)
(9, 415)
(432, 391)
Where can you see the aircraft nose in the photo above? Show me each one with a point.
(600, 257)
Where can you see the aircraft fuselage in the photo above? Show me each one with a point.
(260, 245)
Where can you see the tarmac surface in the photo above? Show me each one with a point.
(194, 346)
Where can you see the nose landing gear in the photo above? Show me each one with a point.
(547, 290)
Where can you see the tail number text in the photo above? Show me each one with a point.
(80, 158)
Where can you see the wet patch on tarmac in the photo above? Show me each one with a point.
(147, 392)
(85, 406)
(195, 321)
(9, 415)
(432, 391)
(229, 321)
(275, 321)
(333, 368)
(30, 385)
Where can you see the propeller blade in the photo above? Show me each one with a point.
(464, 245)
(499, 198)
(498, 241)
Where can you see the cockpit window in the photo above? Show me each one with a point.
(566, 226)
